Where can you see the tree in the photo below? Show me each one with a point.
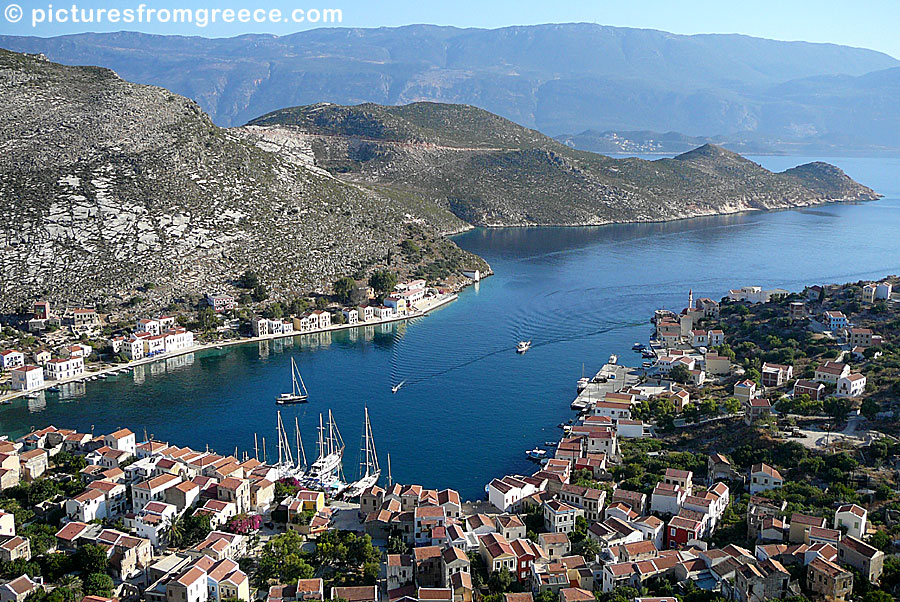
(877, 595)
(98, 584)
(248, 280)
(72, 588)
(260, 293)
(207, 318)
(680, 374)
(343, 288)
(869, 408)
(91, 558)
(500, 581)
(383, 281)
(880, 540)
(837, 408)
(176, 532)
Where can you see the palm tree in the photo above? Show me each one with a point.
(71, 587)
(177, 532)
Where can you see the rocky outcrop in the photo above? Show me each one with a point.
(106, 186)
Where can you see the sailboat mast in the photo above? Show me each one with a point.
(301, 453)
(322, 453)
(330, 433)
(256, 446)
(265, 458)
(375, 466)
(368, 435)
(278, 428)
(390, 480)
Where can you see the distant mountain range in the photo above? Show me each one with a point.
(746, 143)
(560, 79)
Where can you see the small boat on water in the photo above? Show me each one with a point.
(102, 376)
(298, 393)
(536, 454)
(638, 347)
(648, 354)
(583, 382)
(613, 359)
(550, 443)
(523, 346)
(396, 387)
(53, 389)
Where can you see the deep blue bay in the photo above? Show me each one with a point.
(471, 406)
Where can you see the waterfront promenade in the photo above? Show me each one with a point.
(420, 309)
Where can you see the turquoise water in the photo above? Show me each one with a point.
(470, 406)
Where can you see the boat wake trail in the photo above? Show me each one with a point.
(413, 375)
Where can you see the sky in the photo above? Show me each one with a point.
(863, 23)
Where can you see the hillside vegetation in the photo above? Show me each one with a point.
(492, 172)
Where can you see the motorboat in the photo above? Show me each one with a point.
(638, 347)
(583, 382)
(613, 359)
(396, 387)
(523, 346)
(536, 454)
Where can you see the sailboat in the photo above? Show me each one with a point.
(285, 464)
(327, 466)
(369, 470)
(298, 392)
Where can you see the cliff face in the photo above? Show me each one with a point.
(106, 186)
(491, 172)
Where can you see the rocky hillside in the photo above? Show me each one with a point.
(107, 186)
(491, 172)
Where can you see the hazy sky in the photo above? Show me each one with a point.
(864, 23)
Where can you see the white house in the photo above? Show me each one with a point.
(383, 312)
(154, 345)
(59, 369)
(351, 315)
(11, 358)
(716, 338)
(831, 372)
(152, 490)
(699, 338)
(852, 518)
(506, 493)
(27, 378)
(152, 327)
(764, 477)
(366, 312)
(122, 440)
(323, 317)
(87, 506)
(667, 498)
(133, 347)
(177, 339)
(852, 385)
